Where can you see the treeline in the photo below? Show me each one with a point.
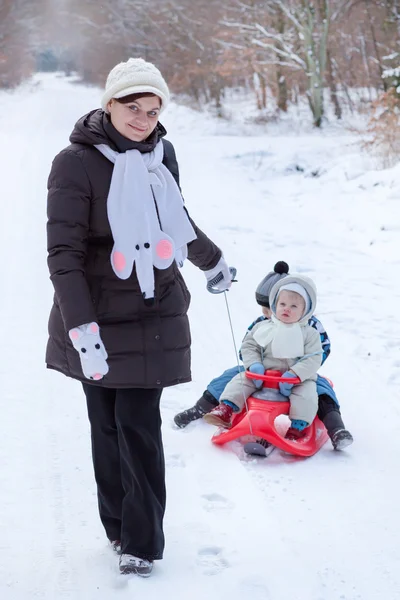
(283, 50)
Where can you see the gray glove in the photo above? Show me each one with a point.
(87, 341)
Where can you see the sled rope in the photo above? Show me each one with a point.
(237, 360)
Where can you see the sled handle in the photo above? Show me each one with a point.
(273, 378)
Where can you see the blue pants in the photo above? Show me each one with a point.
(217, 385)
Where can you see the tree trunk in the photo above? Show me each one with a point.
(332, 86)
(282, 90)
(315, 67)
(216, 93)
(281, 80)
(315, 100)
(375, 44)
(256, 86)
(263, 90)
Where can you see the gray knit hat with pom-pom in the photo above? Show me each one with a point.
(281, 269)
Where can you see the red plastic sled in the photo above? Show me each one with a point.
(262, 413)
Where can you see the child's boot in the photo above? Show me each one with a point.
(203, 406)
(341, 439)
(297, 430)
(220, 416)
(340, 436)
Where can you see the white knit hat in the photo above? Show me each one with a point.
(134, 77)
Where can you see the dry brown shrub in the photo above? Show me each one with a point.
(383, 130)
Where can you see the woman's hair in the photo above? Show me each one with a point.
(133, 97)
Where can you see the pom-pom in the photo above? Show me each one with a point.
(281, 267)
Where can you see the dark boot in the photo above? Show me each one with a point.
(341, 439)
(340, 436)
(132, 565)
(203, 406)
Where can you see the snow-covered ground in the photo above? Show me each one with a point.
(325, 528)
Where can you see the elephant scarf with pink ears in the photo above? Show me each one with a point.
(145, 210)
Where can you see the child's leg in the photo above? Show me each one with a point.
(237, 391)
(232, 400)
(209, 399)
(218, 384)
(329, 413)
(304, 402)
(203, 406)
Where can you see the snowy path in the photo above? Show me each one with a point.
(326, 528)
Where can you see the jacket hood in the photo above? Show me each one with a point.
(96, 128)
(307, 284)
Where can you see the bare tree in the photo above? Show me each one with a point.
(16, 26)
(303, 45)
(281, 49)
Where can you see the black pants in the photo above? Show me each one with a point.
(128, 460)
(329, 413)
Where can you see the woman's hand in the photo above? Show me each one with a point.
(219, 279)
(87, 341)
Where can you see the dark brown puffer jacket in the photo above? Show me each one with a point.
(148, 346)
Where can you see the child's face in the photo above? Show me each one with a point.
(290, 307)
(266, 312)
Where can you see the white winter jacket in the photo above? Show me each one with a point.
(305, 366)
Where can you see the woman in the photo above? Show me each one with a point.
(117, 230)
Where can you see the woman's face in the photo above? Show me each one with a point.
(137, 119)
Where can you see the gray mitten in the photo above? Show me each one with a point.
(87, 341)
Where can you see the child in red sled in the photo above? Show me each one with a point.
(285, 343)
(328, 406)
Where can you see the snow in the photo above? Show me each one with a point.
(281, 528)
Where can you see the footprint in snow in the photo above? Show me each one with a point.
(174, 460)
(253, 587)
(211, 560)
(216, 502)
